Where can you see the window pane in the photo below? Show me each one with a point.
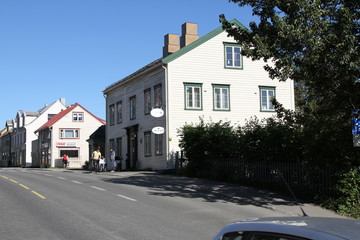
(147, 143)
(225, 104)
(147, 101)
(229, 57)
(69, 133)
(197, 97)
(189, 97)
(132, 107)
(119, 112)
(158, 144)
(158, 97)
(217, 98)
(112, 114)
(237, 56)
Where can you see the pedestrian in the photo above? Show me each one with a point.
(65, 161)
(112, 159)
(102, 164)
(96, 158)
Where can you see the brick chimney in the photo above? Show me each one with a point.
(171, 44)
(188, 34)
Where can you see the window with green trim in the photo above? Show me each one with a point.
(266, 95)
(221, 96)
(193, 96)
(233, 58)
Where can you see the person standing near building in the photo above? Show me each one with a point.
(96, 157)
(65, 161)
(112, 159)
(102, 164)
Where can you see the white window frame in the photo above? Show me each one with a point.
(266, 95)
(233, 56)
(65, 131)
(78, 116)
(193, 96)
(221, 101)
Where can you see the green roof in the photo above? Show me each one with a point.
(198, 42)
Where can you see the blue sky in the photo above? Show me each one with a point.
(76, 48)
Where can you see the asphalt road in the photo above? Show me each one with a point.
(56, 204)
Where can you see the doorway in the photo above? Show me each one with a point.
(132, 147)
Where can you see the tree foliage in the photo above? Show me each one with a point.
(316, 44)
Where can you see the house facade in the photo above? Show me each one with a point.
(197, 77)
(17, 141)
(66, 133)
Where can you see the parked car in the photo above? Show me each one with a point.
(292, 228)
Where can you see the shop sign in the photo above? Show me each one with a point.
(66, 144)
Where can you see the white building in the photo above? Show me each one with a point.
(198, 77)
(23, 127)
(66, 133)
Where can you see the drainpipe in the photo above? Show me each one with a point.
(50, 147)
(106, 153)
(167, 117)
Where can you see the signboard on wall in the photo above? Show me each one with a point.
(157, 112)
(158, 130)
(66, 144)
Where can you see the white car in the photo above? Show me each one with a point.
(292, 228)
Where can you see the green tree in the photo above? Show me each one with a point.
(316, 44)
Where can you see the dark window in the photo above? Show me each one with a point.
(72, 153)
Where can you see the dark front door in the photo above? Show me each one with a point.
(132, 150)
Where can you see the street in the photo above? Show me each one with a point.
(58, 204)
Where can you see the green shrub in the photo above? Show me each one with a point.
(347, 201)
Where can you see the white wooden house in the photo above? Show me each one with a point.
(66, 133)
(197, 77)
(22, 132)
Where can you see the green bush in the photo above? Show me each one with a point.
(347, 201)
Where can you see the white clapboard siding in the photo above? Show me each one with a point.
(205, 64)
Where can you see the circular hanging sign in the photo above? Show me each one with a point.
(158, 130)
(157, 112)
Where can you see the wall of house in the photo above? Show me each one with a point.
(86, 128)
(205, 64)
(146, 122)
(33, 125)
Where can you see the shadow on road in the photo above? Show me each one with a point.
(208, 190)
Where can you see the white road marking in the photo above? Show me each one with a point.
(76, 182)
(128, 198)
(61, 178)
(48, 175)
(101, 189)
